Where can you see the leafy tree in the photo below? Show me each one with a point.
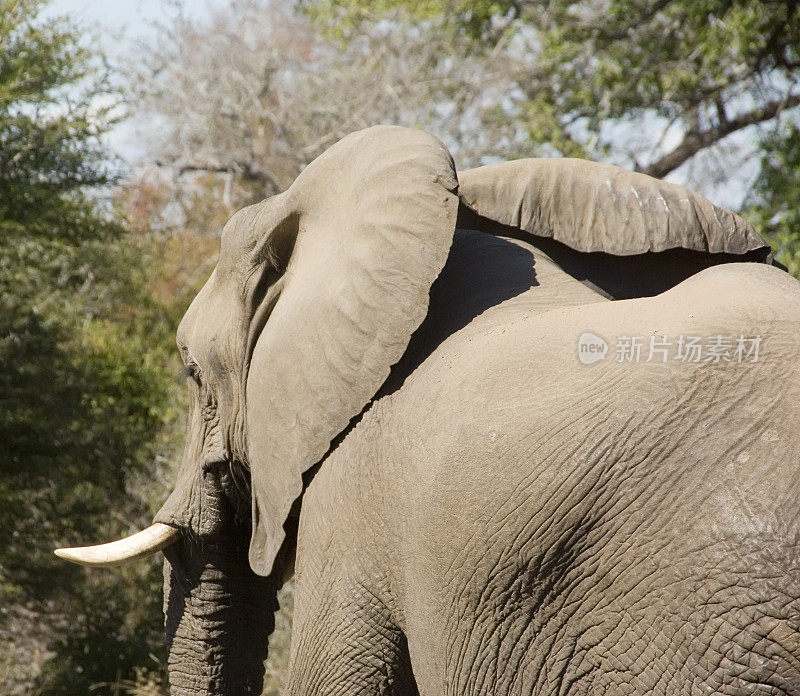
(84, 386)
(690, 88)
(704, 70)
(775, 199)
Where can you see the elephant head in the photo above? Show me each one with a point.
(310, 304)
(315, 297)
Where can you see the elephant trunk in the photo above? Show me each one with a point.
(219, 615)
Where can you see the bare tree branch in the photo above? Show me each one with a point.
(245, 170)
(696, 139)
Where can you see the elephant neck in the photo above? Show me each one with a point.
(487, 279)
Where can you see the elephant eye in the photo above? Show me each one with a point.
(191, 371)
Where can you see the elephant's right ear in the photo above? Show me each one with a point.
(371, 222)
(624, 233)
(594, 207)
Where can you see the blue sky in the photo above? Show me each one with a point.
(119, 23)
(131, 17)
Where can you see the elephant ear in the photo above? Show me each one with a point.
(622, 233)
(374, 219)
(592, 207)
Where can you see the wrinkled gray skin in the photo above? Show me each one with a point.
(500, 518)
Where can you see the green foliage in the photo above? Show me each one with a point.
(84, 374)
(343, 19)
(775, 199)
(708, 67)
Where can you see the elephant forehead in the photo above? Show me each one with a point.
(213, 319)
(247, 234)
(239, 238)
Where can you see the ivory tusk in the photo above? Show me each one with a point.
(139, 545)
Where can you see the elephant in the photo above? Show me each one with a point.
(389, 401)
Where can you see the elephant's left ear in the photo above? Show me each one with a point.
(372, 221)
